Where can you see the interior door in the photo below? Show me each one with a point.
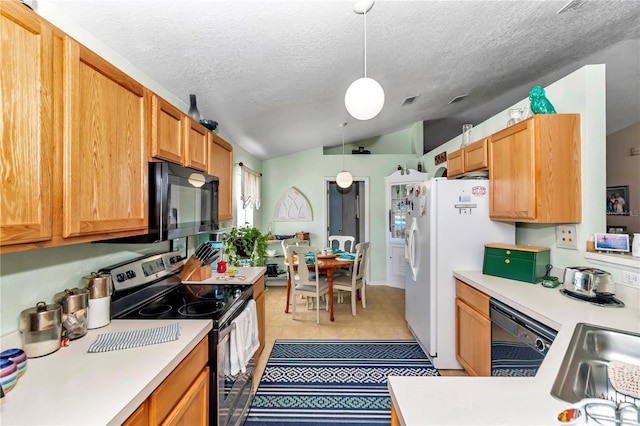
(345, 208)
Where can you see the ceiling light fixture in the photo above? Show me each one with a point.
(364, 98)
(344, 178)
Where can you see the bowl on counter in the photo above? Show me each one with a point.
(283, 237)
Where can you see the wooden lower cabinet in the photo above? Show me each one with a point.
(183, 397)
(258, 297)
(395, 421)
(473, 330)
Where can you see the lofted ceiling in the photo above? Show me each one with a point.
(273, 73)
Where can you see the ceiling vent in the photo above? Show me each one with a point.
(458, 98)
(409, 100)
(572, 5)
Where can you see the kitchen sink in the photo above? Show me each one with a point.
(583, 373)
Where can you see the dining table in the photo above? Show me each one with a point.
(327, 265)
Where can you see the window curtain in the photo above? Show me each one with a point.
(250, 188)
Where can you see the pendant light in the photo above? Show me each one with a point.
(364, 98)
(344, 178)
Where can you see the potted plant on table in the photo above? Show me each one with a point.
(245, 246)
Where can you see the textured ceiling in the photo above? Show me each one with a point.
(274, 73)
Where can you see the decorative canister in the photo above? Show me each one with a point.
(41, 329)
(100, 289)
(75, 304)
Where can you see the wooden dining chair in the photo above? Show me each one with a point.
(302, 282)
(357, 280)
(345, 242)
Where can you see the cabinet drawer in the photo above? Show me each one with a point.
(171, 391)
(472, 297)
(521, 263)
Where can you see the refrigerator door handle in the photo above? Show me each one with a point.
(412, 248)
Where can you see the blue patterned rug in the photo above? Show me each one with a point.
(338, 382)
(514, 359)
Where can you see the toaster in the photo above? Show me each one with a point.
(589, 282)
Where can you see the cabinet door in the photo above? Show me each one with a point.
(197, 148)
(26, 88)
(455, 163)
(167, 134)
(193, 408)
(512, 174)
(473, 340)
(140, 417)
(476, 156)
(395, 264)
(105, 157)
(221, 165)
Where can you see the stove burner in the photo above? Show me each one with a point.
(606, 301)
(202, 292)
(154, 310)
(197, 309)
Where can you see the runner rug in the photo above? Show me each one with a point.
(319, 382)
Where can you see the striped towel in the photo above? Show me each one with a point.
(134, 338)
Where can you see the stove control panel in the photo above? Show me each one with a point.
(143, 270)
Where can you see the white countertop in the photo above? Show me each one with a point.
(508, 400)
(74, 387)
(245, 275)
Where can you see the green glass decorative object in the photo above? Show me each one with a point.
(539, 102)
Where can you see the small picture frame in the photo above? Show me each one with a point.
(612, 242)
(618, 200)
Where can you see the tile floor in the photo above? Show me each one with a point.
(382, 319)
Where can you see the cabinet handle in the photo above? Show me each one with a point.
(508, 251)
(507, 261)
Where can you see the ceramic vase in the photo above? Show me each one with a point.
(193, 108)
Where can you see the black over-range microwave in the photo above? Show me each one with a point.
(182, 202)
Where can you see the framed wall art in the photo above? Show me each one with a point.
(618, 200)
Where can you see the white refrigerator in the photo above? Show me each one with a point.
(448, 222)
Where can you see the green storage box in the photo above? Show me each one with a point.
(521, 263)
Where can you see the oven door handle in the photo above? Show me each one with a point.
(221, 348)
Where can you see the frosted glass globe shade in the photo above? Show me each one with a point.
(344, 179)
(364, 98)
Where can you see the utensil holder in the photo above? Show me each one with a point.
(202, 273)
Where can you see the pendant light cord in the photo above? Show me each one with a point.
(342, 128)
(365, 43)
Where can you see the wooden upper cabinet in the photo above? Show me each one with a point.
(105, 154)
(221, 165)
(197, 144)
(167, 132)
(471, 158)
(26, 88)
(455, 163)
(534, 171)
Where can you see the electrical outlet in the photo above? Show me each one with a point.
(567, 236)
(631, 278)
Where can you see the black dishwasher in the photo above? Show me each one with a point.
(518, 342)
